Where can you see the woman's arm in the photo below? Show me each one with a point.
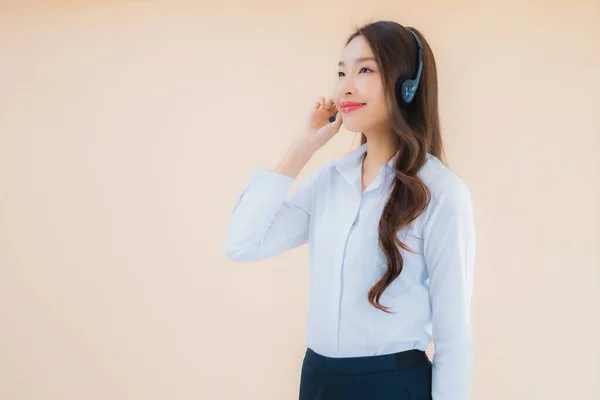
(265, 221)
(449, 249)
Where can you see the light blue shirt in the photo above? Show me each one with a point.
(429, 301)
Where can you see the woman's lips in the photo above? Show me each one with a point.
(347, 109)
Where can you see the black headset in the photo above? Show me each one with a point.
(406, 88)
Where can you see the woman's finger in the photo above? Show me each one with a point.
(321, 102)
(328, 104)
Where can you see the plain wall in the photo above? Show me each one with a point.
(127, 129)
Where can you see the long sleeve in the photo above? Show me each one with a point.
(266, 220)
(449, 250)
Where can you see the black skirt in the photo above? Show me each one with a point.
(400, 376)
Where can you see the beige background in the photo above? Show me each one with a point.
(127, 128)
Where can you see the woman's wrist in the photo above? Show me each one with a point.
(295, 158)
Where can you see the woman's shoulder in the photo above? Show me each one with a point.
(443, 183)
(325, 168)
(320, 173)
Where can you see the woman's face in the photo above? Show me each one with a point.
(360, 81)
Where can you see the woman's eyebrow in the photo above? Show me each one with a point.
(358, 60)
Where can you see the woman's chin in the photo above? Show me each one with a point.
(353, 125)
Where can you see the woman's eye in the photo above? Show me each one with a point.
(363, 68)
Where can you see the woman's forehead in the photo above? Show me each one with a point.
(357, 51)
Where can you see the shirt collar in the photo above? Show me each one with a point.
(350, 166)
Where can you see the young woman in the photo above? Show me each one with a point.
(390, 230)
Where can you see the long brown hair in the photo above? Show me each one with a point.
(415, 127)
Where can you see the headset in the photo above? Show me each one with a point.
(406, 88)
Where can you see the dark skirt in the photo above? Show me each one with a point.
(400, 376)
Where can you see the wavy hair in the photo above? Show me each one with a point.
(416, 128)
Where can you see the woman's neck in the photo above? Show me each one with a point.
(379, 151)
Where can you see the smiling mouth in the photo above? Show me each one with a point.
(347, 109)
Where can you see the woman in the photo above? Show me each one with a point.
(390, 231)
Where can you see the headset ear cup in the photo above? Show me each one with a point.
(409, 89)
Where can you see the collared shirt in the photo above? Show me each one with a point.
(429, 301)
